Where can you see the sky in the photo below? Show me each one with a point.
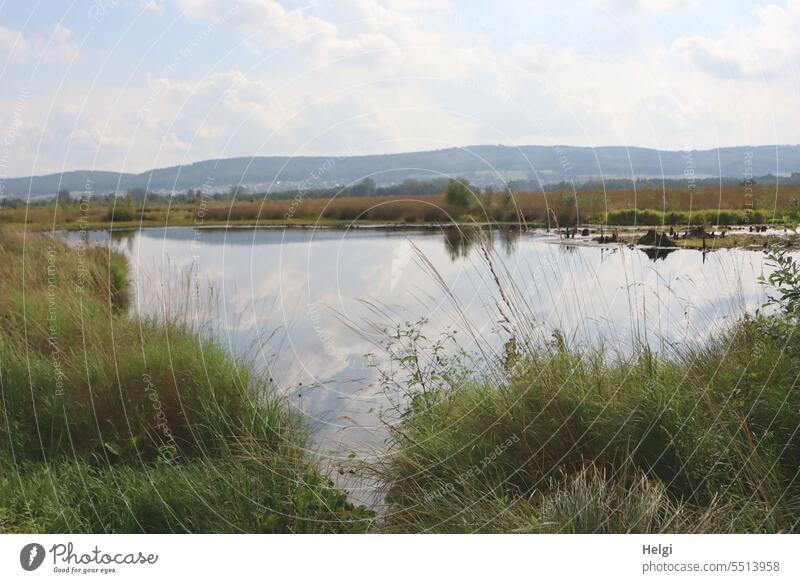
(129, 85)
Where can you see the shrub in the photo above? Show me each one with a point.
(120, 214)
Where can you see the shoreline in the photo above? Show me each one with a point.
(736, 237)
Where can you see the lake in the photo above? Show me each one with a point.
(308, 305)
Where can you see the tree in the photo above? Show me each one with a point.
(63, 197)
(458, 193)
(238, 191)
(364, 188)
(137, 194)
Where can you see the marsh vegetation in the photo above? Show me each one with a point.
(116, 420)
(560, 438)
(114, 423)
(457, 202)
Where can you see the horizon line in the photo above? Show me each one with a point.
(399, 153)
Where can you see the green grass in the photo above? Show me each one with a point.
(576, 441)
(118, 424)
(719, 217)
(219, 495)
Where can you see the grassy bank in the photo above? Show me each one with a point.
(572, 443)
(118, 424)
(556, 439)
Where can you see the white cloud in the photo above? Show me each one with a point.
(152, 6)
(634, 6)
(268, 25)
(768, 49)
(12, 43)
(57, 48)
(369, 77)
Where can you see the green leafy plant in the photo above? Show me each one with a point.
(785, 280)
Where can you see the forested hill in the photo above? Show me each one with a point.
(479, 164)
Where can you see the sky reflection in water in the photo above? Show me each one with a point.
(309, 304)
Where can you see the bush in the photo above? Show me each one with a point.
(675, 218)
(120, 214)
(647, 217)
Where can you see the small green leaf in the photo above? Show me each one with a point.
(112, 448)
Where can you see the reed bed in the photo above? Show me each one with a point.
(721, 206)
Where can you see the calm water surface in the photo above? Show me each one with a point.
(308, 305)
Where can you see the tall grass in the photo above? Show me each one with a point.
(549, 438)
(121, 424)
